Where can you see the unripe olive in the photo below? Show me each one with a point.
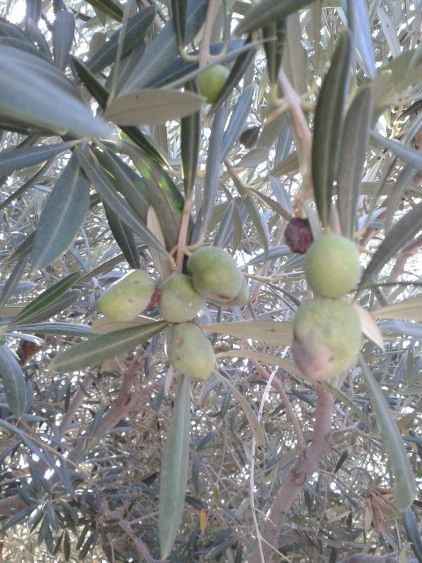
(128, 297)
(215, 275)
(189, 350)
(242, 297)
(179, 301)
(326, 337)
(211, 81)
(332, 265)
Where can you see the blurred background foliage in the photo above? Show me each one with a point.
(84, 199)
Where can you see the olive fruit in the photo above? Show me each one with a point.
(215, 275)
(189, 350)
(126, 298)
(326, 337)
(242, 297)
(179, 301)
(332, 265)
(211, 81)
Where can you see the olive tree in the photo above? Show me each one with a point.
(245, 406)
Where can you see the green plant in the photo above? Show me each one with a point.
(211, 81)
(189, 350)
(332, 266)
(326, 337)
(179, 301)
(215, 275)
(127, 297)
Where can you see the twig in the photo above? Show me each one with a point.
(137, 542)
(307, 464)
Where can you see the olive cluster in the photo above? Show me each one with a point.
(326, 329)
(212, 276)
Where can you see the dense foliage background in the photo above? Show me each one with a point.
(110, 160)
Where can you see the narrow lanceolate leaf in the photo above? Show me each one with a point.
(136, 28)
(412, 533)
(152, 106)
(409, 309)
(407, 154)
(124, 238)
(179, 10)
(256, 428)
(57, 306)
(287, 365)
(237, 120)
(164, 196)
(352, 158)
(12, 282)
(403, 231)
(274, 35)
(362, 32)
(127, 181)
(16, 159)
(47, 297)
(190, 135)
(212, 172)
(268, 11)
(62, 215)
(110, 8)
(110, 195)
(102, 347)
(63, 31)
(164, 48)
(36, 92)
(174, 468)
(404, 484)
(276, 333)
(329, 125)
(13, 382)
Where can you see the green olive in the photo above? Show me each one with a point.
(332, 266)
(179, 301)
(189, 350)
(215, 275)
(211, 81)
(326, 337)
(128, 297)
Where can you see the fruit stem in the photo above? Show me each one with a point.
(204, 48)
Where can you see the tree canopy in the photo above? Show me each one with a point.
(136, 134)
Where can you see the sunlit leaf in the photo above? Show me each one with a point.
(102, 347)
(36, 92)
(287, 365)
(276, 333)
(409, 309)
(152, 107)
